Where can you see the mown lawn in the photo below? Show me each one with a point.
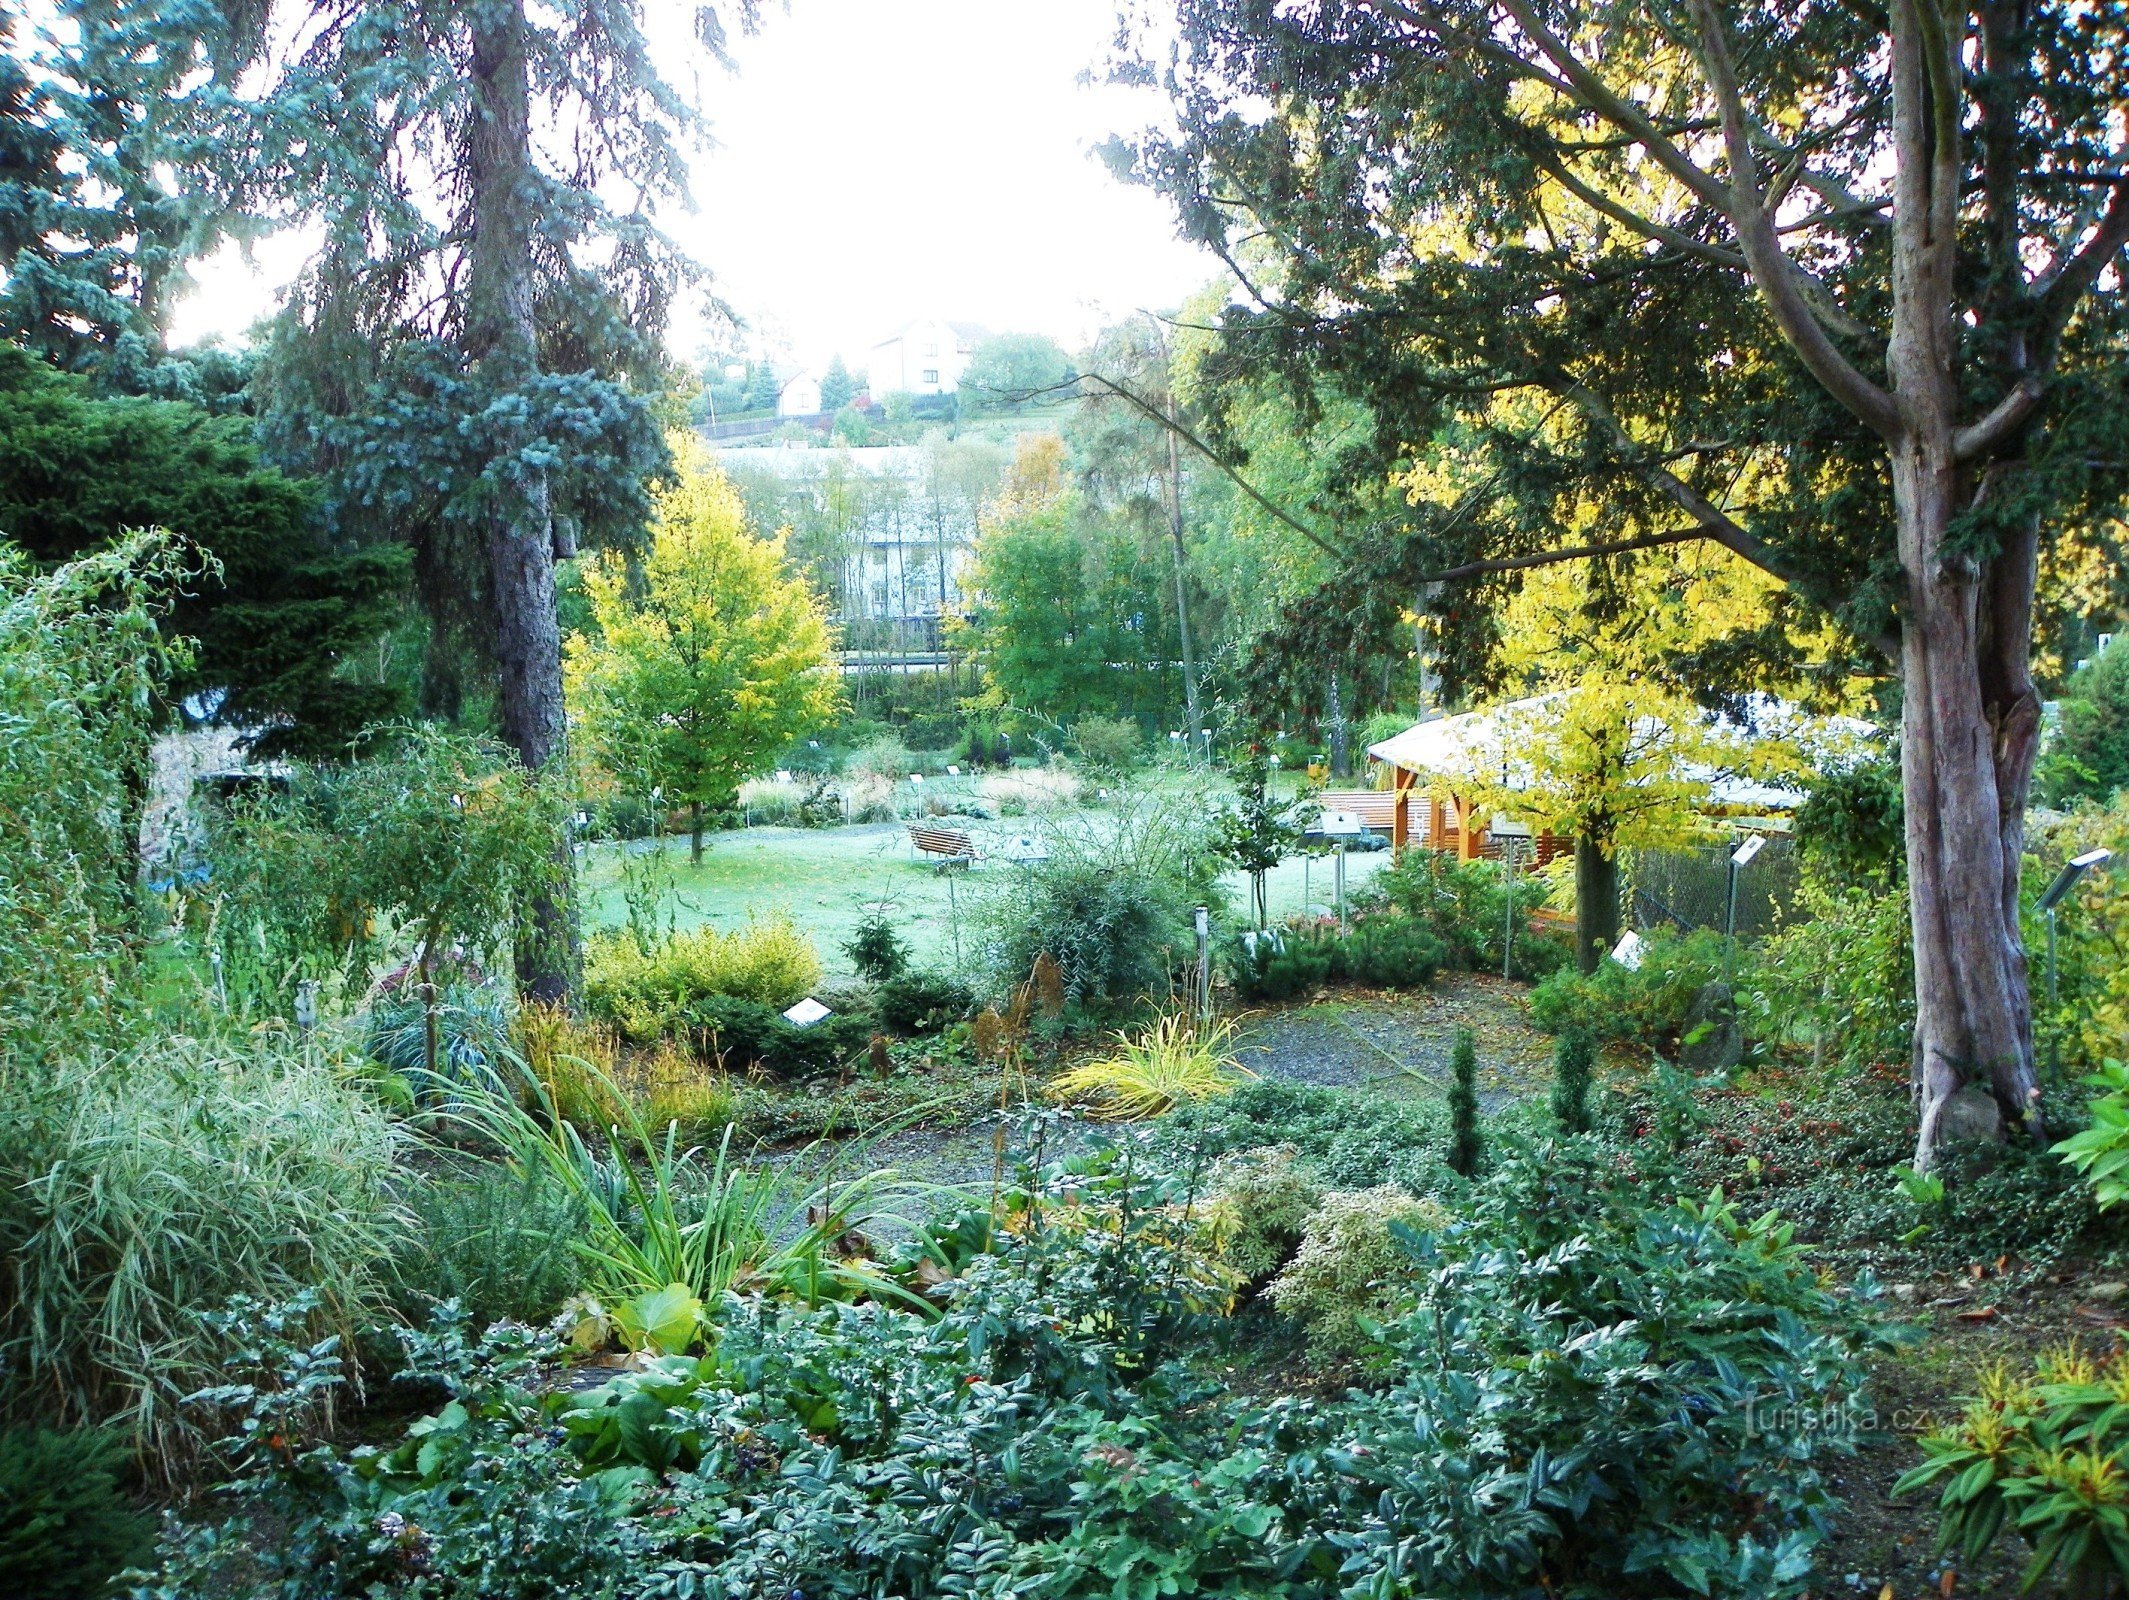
(826, 878)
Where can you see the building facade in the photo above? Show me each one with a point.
(927, 356)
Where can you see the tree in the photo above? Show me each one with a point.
(278, 613)
(479, 376)
(1063, 607)
(1879, 249)
(2089, 758)
(716, 659)
(104, 195)
(1467, 1147)
(838, 387)
(1011, 371)
(1259, 832)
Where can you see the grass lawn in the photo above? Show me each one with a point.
(827, 877)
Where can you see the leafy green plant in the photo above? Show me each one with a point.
(1574, 1057)
(430, 835)
(657, 1214)
(1276, 966)
(162, 1181)
(1173, 1059)
(1112, 905)
(1465, 905)
(1647, 1005)
(1388, 952)
(2045, 1455)
(1466, 1143)
(923, 1002)
(2101, 1152)
(67, 1528)
(459, 1039)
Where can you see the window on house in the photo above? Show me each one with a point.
(931, 374)
(932, 348)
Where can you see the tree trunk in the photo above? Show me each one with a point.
(1195, 735)
(694, 832)
(503, 342)
(1970, 731)
(1596, 901)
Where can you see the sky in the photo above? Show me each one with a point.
(880, 160)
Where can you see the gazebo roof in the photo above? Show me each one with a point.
(1448, 747)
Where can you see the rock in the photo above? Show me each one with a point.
(2109, 1292)
(1713, 1041)
(1971, 1115)
(1903, 1291)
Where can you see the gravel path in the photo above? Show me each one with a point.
(1400, 1044)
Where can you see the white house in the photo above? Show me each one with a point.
(799, 397)
(925, 357)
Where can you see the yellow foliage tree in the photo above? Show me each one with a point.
(698, 670)
(1611, 751)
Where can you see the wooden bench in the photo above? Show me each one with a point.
(947, 846)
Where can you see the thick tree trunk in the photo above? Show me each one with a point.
(503, 342)
(1596, 901)
(1970, 726)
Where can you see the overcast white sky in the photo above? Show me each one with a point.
(878, 160)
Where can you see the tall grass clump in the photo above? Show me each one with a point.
(137, 1192)
(146, 1175)
(1174, 1061)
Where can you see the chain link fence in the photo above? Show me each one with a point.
(1689, 888)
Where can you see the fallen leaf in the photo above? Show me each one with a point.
(1974, 1270)
(1977, 1314)
(1946, 1583)
(1885, 1593)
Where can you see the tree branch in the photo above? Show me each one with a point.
(2076, 275)
(1771, 266)
(1547, 558)
(1157, 415)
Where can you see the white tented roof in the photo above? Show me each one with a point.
(1448, 746)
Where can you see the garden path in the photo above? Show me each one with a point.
(1399, 1044)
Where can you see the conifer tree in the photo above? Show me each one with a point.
(1466, 1144)
(1573, 1058)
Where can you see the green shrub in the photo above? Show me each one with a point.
(66, 1526)
(1108, 744)
(1646, 1005)
(1276, 966)
(923, 1002)
(1574, 1057)
(145, 1188)
(1346, 1141)
(876, 951)
(1647, 1392)
(1841, 979)
(1349, 1276)
(768, 963)
(1257, 1204)
(473, 1031)
(740, 1034)
(1388, 952)
(500, 1243)
(1112, 905)
(1465, 905)
(2088, 758)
